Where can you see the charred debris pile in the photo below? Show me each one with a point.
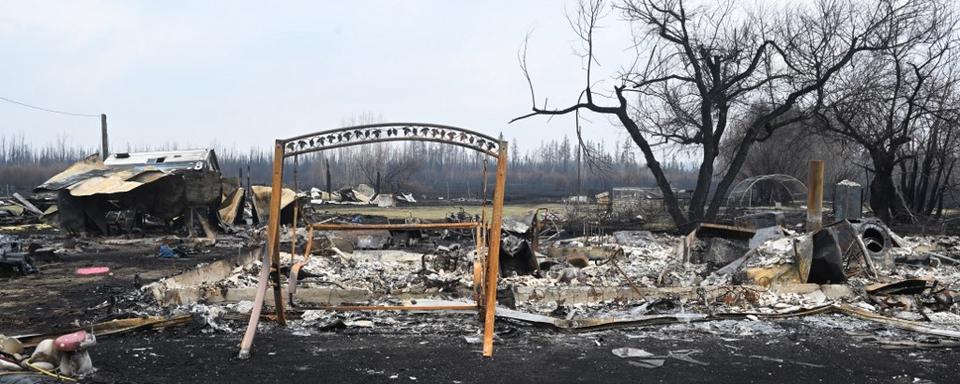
(761, 269)
(764, 266)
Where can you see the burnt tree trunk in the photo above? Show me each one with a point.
(943, 188)
(669, 199)
(883, 191)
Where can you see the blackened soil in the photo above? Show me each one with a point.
(52, 299)
(523, 355)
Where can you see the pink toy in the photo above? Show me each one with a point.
(71, 341)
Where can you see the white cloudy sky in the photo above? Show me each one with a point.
(243, 73)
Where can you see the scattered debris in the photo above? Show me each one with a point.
(650, 360)
(735, 278)
(13, 256)
(625, 352)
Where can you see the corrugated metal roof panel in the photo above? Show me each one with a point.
(118, 181)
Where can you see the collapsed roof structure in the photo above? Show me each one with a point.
(165, 185)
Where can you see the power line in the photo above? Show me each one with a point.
(46, 109)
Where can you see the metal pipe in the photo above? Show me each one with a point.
(295, 269)
(393, 227)
(483, 198)
(271, 259)
(465, 307)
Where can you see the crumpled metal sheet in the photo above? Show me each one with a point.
(262, 195)
(230, 206)
(89, 166)
(116, 181)
(91, 177)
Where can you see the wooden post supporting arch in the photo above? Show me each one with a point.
(493, 254)
(375, 133)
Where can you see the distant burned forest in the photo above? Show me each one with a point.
(546, 170)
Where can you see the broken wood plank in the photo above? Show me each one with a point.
(28, 205)
(914, 326)
(111, 327)
(207, 228)
(590, 323)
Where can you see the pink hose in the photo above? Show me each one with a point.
(257, 306)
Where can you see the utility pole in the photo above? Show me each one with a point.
(579, 182)
(329, 184)
(104, 143)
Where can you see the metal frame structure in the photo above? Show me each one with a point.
(379, 133)
(741, 194)
(477, 276)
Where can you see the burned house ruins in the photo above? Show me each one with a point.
(127, 190)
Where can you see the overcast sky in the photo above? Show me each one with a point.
(240, 74)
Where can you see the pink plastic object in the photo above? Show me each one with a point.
(70, 342)
(92, 270)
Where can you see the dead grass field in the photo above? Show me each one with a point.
(434, 212)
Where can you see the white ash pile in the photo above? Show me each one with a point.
(643, 258)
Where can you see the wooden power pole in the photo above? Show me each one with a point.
(104, 143)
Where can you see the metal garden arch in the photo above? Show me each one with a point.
(379, 133)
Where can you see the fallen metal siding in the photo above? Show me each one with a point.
(231, 206)
(118, 181)
(261, 200)
(85, 168)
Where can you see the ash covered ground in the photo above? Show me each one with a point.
(705, 328)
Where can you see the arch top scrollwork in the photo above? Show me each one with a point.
(387, 132)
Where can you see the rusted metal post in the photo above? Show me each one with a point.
(493, 252)
(393, 227)
(815, 196)
(535, 232)
(483, 197)
(349, 308)
(273, 229)
(478, 266)
(296, 208)
(480, 263)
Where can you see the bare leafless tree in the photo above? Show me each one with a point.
(927, 173)
(789, 150)
(899, 104)
(696, 69)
